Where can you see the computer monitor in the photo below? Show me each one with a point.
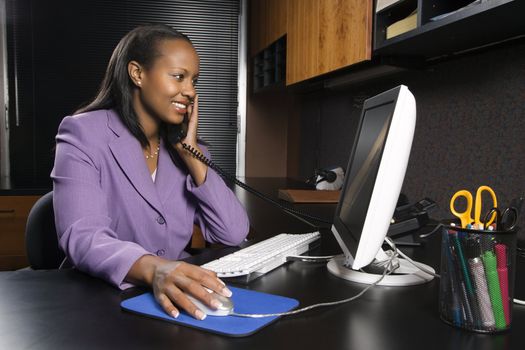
(373, 181)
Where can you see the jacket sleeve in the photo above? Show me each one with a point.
(219, 213)
(81, 214)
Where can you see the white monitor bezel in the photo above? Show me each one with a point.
(366, 245)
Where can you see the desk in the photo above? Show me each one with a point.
(66, 309)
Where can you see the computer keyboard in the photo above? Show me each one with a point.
(256, 260)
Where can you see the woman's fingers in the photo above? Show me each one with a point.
(193, 119)
(174, 281)
(165, 302)
(180, 297)
(193, 109)
(209, 279)
(196, 278)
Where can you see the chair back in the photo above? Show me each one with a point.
(42, 247)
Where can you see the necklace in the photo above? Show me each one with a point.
(156, 153)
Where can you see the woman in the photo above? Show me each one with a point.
(126, 194)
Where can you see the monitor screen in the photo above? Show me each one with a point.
(361, 175)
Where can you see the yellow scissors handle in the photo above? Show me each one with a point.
(464, 216)
(478, 205)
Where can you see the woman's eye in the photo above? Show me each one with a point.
(194, 82)
(179, 77)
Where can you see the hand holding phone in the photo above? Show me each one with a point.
(188, 132)
(188, 138)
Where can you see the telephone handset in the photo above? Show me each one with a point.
(201, 157)
(183, 128)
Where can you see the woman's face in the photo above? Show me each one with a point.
(167, 88)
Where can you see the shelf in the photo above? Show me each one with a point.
(474, 26)
(269, 65)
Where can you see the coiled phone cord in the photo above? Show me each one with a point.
(296, 213)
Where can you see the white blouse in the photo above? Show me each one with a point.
(153, 175)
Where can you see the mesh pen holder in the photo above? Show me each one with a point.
(477, 278)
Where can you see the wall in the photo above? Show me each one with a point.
(470, 127)
(267, 133)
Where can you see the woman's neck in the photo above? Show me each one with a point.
(149, 124)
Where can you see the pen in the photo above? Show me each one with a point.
(456, 308)
(503, 276)
(468, 317)
(464, 272)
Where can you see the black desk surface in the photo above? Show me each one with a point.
(66, 309)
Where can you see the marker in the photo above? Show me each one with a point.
(503, 276)
(489, 261)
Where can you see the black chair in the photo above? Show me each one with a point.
(42, 247)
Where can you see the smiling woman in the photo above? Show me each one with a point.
(126, 194)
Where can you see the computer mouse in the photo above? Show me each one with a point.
(225, 309)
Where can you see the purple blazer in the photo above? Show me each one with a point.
(108, 210)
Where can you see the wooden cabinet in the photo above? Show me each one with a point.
(267, 23)
(303, 37)
(13, 216)
(322, 36)
(345, 29)
(327, 35)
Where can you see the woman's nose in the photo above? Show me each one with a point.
(189, 91)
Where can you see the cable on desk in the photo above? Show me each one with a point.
(387, 271)
(417, 265)
(426, 235)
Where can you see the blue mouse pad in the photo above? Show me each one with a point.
(244, 301)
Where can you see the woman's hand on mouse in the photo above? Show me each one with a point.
(174, 279)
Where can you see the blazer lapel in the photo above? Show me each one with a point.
(167, 173)
(127, 152)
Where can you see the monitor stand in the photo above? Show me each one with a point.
(405, 274)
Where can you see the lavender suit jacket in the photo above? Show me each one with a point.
(108, 210)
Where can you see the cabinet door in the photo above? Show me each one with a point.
(13, 216)
(276, 22)
(257, 25)
(327, 35)
(302, 44)
(267, 23)
(345, 28)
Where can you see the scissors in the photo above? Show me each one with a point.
(505, 221)
(466, 216)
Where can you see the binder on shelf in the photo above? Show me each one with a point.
(402, 26)
(473, 3)
(381, 4)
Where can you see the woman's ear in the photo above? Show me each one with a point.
(135, 73)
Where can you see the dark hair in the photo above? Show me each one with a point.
(141, 45)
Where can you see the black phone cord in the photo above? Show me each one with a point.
(297, 213)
